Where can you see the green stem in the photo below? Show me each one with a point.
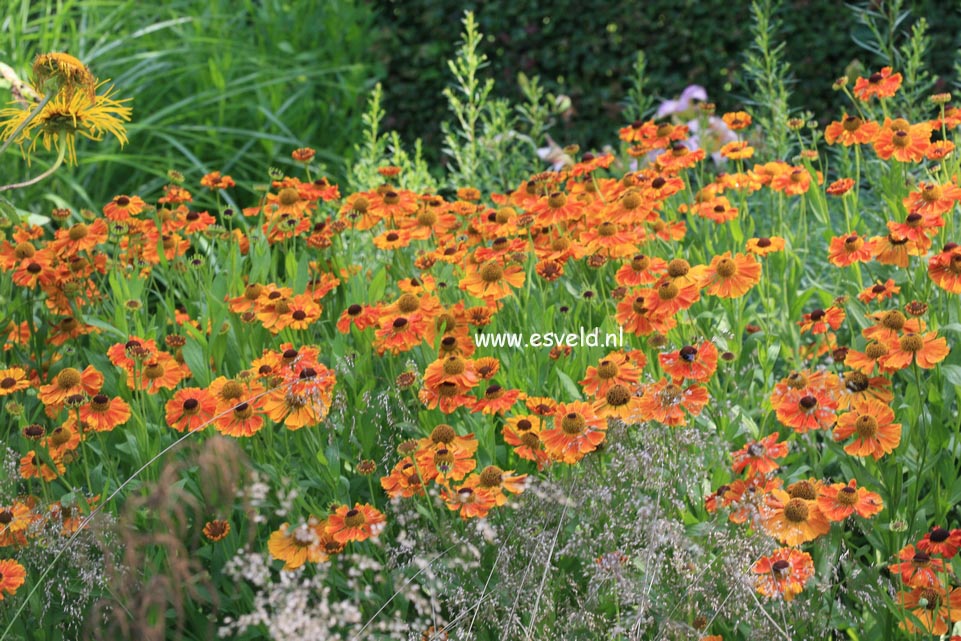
(54, 167)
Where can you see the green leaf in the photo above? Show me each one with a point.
(194, 357)
(569, 386)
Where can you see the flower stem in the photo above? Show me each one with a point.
(49, 172)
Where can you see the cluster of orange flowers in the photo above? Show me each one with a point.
(317, 540)
(924, 570)
(445, 458)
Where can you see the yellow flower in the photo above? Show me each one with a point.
(65, 72)
(64, 118)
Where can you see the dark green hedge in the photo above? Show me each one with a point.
(586, 50)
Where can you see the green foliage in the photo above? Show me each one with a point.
(766, 74)
(588, 52)
(215, 85)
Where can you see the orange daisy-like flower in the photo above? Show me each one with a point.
(871, 423)
(401, 334)
(578, 430)
(32, 467)
(444, 464)
(12, 576)
(243, 420)
(737, 150)
(640, 270)
(924, 350)
(190, 409)
(737, 120)
(665, 402)
(839, 501)
(880, 292)
(121, 208)
(944, 268)
(941, 541)
(848, 249)
(902, 140)
(932, 607)
(784, 573)
(732, 277)
(851, 130)
(215, 180)
(404, 480)
(932, 199)
(635, 315)
(614, 369)
(693, 363)
(917, 568)
(470, 502)
(758, 457)
(765, 245)
(13, 380)
(818, 321)
(104, 414)
(882, 84)
(296, 546)
(497, 481)
(808, 409)
(216, 530)
(840, 187)
(161, 372)
(793, 521)
(68, 382)
(523, 433)
(355, 524)
(492, 281)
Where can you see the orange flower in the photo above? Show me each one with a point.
(404, 480)
(840, 187)
(637, 318)
(299, 545)
(882, 84)
(614, 369)
(793, 521)
(692, 363)
(401, 335)
(880, 292)
(121, 208)
(732, 277)
(103, 414)
(871, 422)
(355, 524)
(69, 382)
(917, 568)
(492, 281)
(190, 409)
(848, 249)
(944, 268)
(13, 380)
(902, 140)
(216, 530)
(737, 120)
(932, 199)
(765, 245)
(818, 321)
(839, 501)
(161, 372)
(793, 182)
(808, 409)
(758, 457)
(640, 270)
(924, 350)
(577, 431)
(737, 150)
(665, 402)
(214, 180)
(932, 607)
(784, 573)
(471, 502)
(851, 130)
(244, 420)
(941, 541)
(523, 433)
(12, 576)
